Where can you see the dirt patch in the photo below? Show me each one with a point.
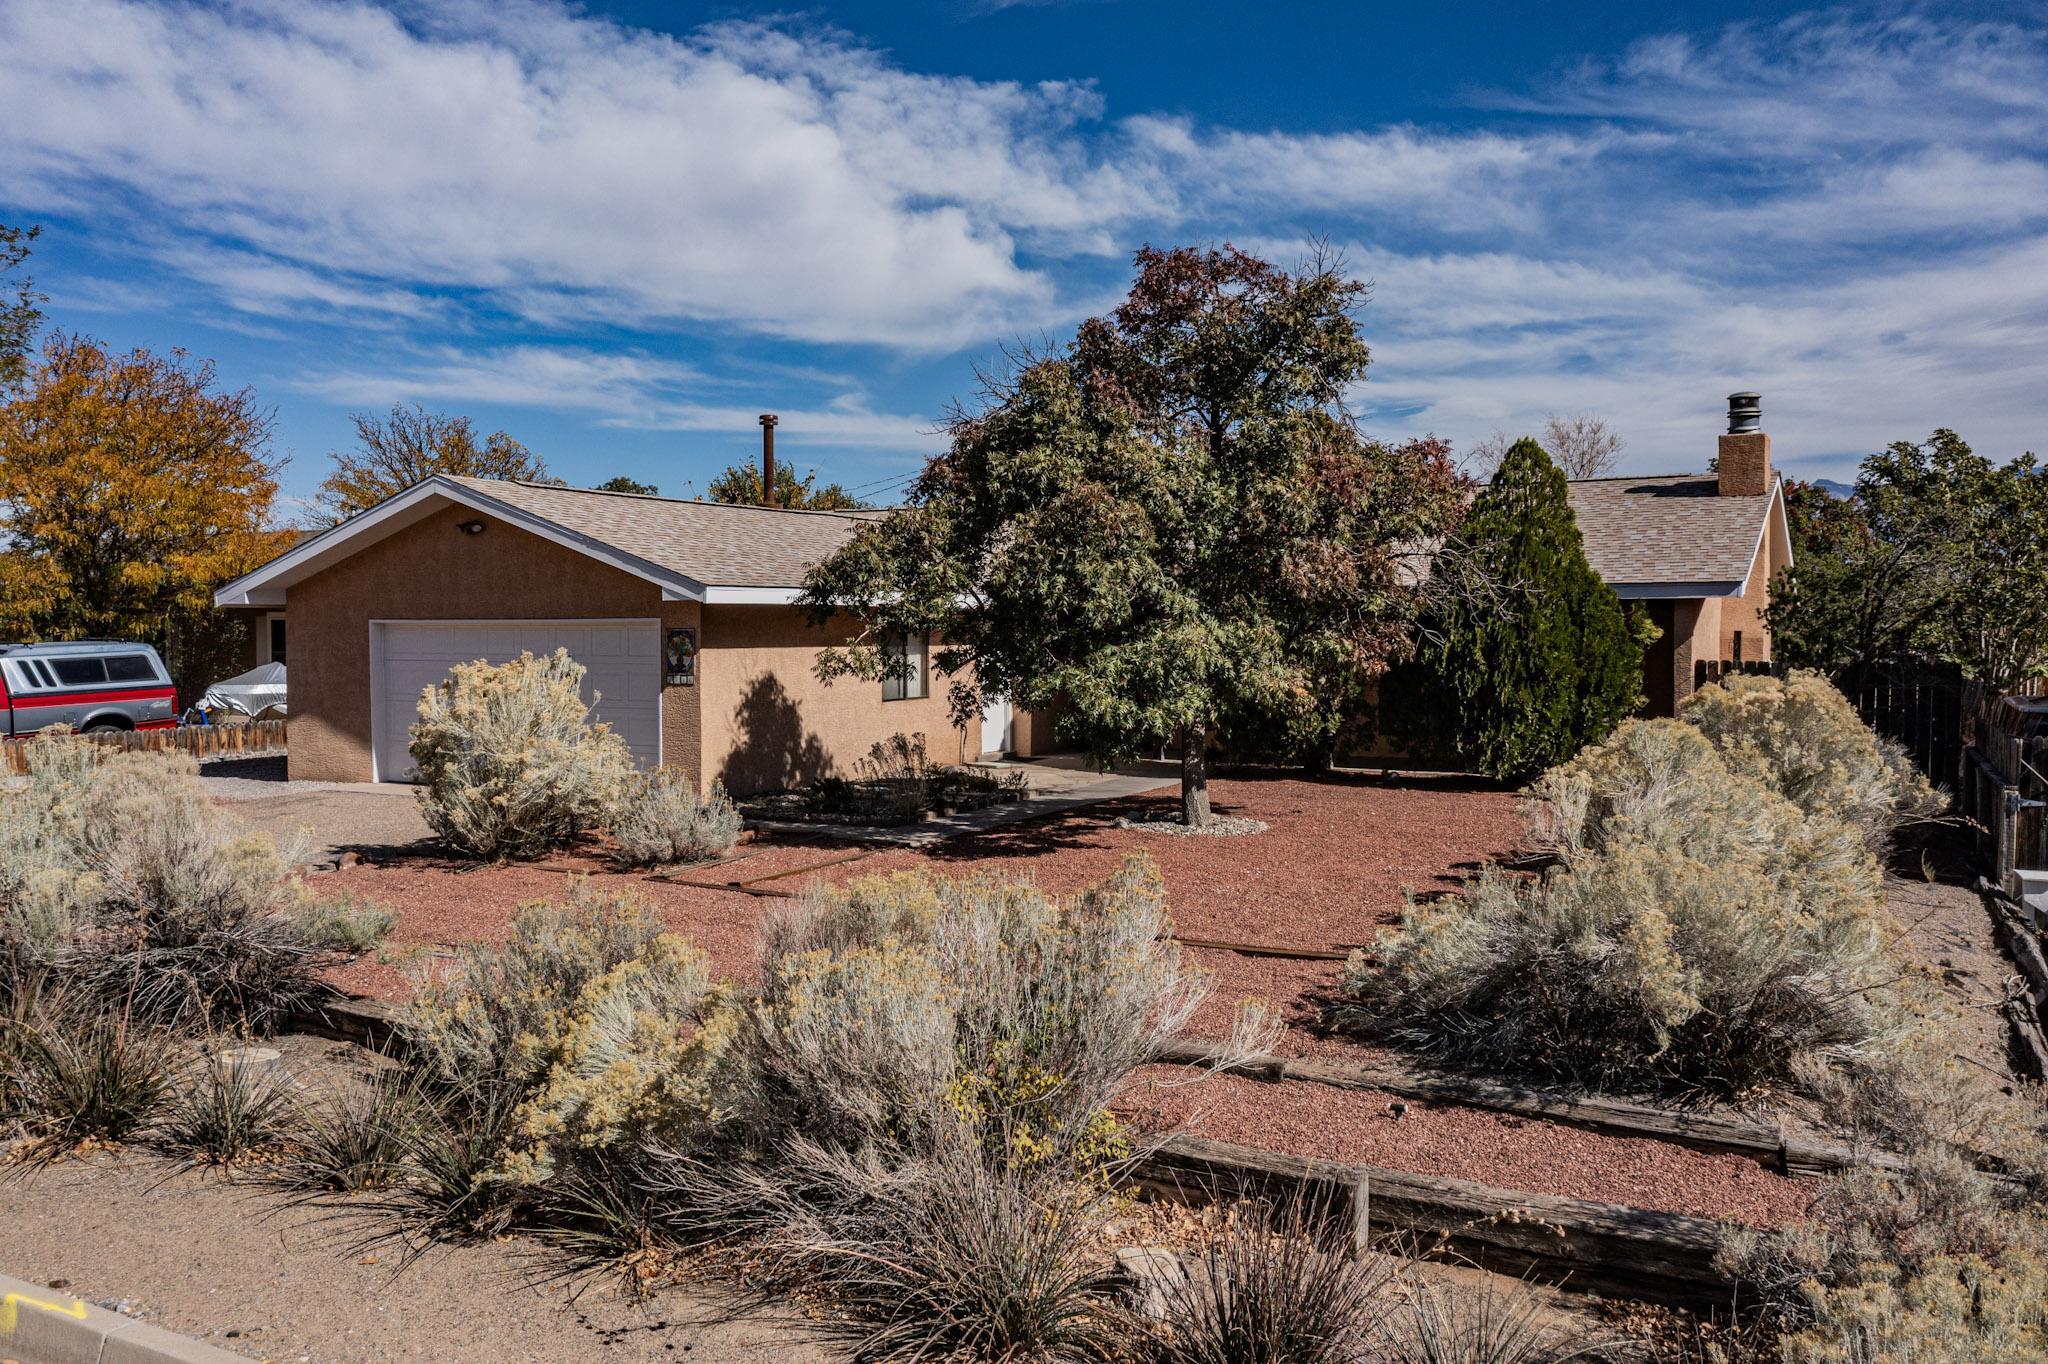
(1946, 928)
(193, 1253)
(1463, 1143)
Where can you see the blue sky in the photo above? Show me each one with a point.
(621, 231)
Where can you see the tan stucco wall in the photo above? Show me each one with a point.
(431, 571)
(770, 724)
(1746, 613)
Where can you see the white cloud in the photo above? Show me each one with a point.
(618, 389)
(1849, 214)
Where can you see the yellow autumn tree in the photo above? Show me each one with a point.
(131, 487)
(392, 453)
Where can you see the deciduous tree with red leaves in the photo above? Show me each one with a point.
(1171, 523)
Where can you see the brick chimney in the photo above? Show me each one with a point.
(1745, 450)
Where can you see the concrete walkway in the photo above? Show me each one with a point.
(1057, 784)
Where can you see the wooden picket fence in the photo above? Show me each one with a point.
(202, 742)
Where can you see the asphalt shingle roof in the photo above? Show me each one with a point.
(1676, 528)
(714, 543)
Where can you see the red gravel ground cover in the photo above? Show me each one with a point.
(1463, 1143)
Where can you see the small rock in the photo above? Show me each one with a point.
(349, 859)
(1151, 1276)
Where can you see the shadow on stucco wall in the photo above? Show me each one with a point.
(771, 749)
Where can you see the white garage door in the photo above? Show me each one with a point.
(623, 681)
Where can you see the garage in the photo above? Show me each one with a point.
(622, 684)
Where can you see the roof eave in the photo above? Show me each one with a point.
(265, 586)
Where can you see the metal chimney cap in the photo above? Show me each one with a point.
(1745, 413)
(769, 419)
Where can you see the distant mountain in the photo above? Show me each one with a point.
(1835, 488)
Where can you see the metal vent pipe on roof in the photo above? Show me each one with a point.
(768, 420)
(1745, 413)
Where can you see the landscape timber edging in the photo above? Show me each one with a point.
(44, 1326)
(1590, 1247)
(1760, 1142)
(1594, 1247)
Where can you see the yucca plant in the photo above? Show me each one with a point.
(84, 1076)
(1481, 1325)
(1275, 1284)
(224, 1112)
(355, 1139)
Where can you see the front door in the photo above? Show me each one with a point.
(995, 725)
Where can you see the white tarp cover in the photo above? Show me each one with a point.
(260, 688)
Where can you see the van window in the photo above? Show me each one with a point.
(130, 668)
(79, 672)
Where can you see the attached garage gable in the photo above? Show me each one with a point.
(622, 681)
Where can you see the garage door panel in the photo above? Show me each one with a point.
(622, 681)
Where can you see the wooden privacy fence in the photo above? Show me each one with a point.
(1920, 706)
(2005, 790)
(200, 741)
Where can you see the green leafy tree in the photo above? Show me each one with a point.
(622, 484)
(19, 314)
(394, 452)
(1939, 553)
(1516, 679)
(1169, 523)
(740, 484)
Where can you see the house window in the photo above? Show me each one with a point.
(277, 639)
(904, 677)
(1738, 646)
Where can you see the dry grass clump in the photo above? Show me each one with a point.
(221, 1112)
(659, 820)
(1700, 932)
(344, 922)
(509, 764)
(1800, 737)
(83, 1075)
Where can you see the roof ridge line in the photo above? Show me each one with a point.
(657, 497)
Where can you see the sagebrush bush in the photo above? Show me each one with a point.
(1701, 931)
(593, 1017)
(1966, 1309)
(1800, 737)
(129, 881)
(1006, 998)
(510, 765)
(660, 820)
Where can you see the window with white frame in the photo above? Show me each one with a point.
(904, 674)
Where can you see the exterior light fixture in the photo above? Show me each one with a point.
(470, 527)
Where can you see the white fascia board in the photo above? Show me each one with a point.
(750, 596)
(265, 586)
(1674, 591)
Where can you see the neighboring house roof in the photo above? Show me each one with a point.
(1673, 535)
(694, 551)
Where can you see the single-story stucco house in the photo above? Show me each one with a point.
(1700, 551)
(683, 613)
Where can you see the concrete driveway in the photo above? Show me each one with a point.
(336, 817)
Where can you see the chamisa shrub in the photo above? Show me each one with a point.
(1801, 737)
(590, 1029)
(1700, 932)
(122, 878)
(509, 764)
(660, 820)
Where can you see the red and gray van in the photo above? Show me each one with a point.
(90, 685)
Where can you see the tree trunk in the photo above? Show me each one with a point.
(1194, 776)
